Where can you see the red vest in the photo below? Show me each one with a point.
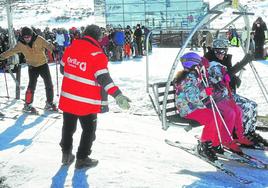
(81, 94)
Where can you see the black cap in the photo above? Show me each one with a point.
(26, 31)
(93, 31)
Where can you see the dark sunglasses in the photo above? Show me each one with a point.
(27, 37)
(220, 51)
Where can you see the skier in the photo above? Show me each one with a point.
(85, 85)
(259, 27)
(128, 41)
(188, 96)
(33, 46)
(138, 39)
(219, 80)
(249, 107)
(119, 40)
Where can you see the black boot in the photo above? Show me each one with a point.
(205, 149)
(67, 158)
(86, 163)
(218, 149)
(50, 106)
(29, 109)
(257, 139)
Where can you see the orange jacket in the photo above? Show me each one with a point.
(86, 80)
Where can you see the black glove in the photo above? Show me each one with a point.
(235, 82)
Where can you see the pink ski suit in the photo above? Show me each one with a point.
(189, 96)
(230, 111)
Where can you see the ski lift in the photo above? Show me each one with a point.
(164, 93)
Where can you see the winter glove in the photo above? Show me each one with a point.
(237, 81)
(122, 101)
(209, 91)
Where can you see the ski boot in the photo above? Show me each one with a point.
(257, 139)
(86, 163)
(50, 106)
(205, 150)
(233, 146)
(218, 149)
(67, 158)
(244, 141)
(29, 109)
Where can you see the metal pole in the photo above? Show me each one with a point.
(147, 61)
(12, 42)
(57, 76)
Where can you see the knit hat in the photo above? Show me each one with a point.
(26, 31)
(93, 31)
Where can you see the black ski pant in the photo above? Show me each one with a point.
(139, 45)
(34, 73)
(259, 52)
(88, 124)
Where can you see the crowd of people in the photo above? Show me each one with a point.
(118, 43)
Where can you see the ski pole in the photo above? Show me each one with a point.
(215, 119)
(57, 76)
(216, 107)
(13, 77)
(259, 81)
(205, 82)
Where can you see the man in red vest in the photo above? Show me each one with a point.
(85, 86)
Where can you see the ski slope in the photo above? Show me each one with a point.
(130, 148)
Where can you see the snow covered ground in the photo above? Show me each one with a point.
(130, 148)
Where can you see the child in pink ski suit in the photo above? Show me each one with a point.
(232, 114)
(189, 95)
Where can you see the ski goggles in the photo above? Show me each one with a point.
(220, 51)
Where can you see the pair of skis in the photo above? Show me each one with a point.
(241, 158)
(46, 113)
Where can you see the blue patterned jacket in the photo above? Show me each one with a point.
(189, 94)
